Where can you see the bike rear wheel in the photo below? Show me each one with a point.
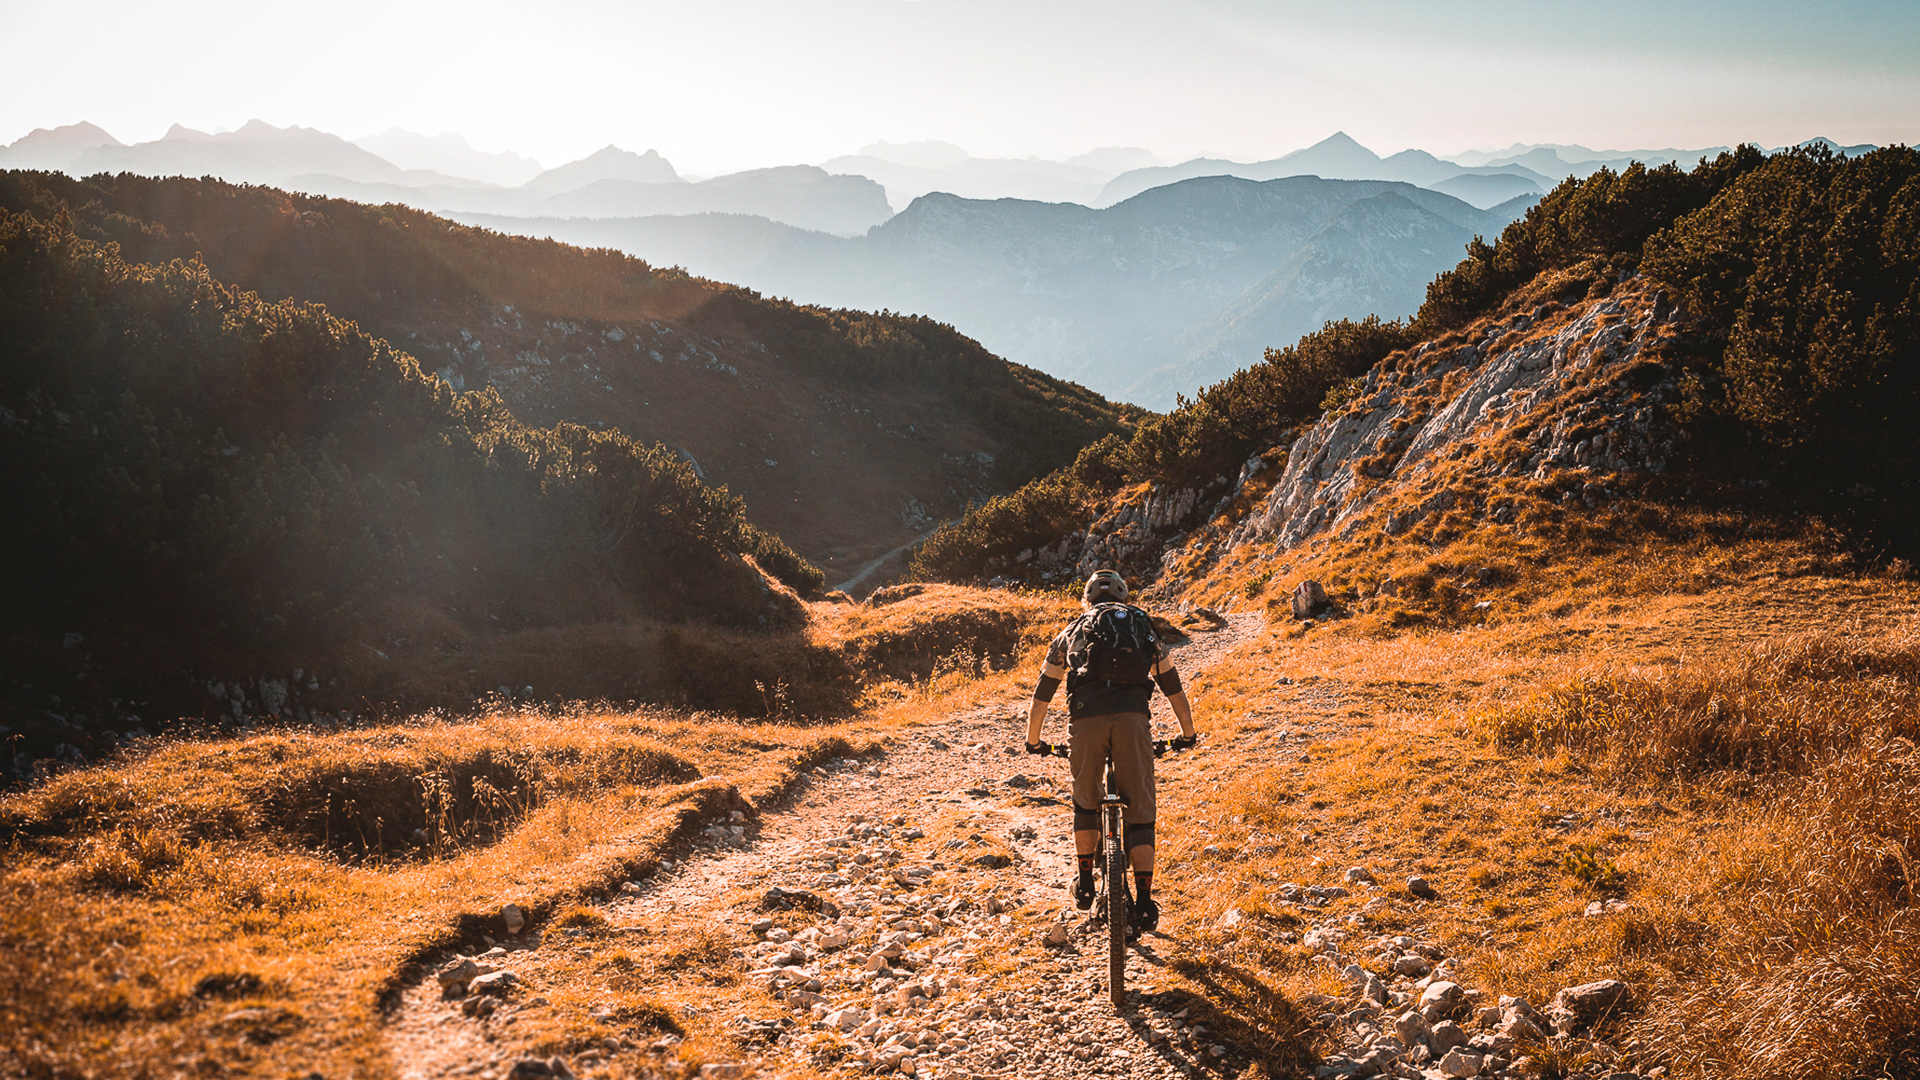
(1119, 914)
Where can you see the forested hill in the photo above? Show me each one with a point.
(847, 433)
(198, 480)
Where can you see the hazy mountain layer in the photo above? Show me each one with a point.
(979, 178)
(258, 153)
(1337, 157)
(444, 174)
(607, 163)
(449, 153)
(54, 148)
(1375, 257)
(1139, 300)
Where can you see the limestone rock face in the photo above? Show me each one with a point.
(1549, 380)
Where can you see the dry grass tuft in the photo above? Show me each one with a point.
(1793, 947)
(1781, 707)
(423, 790)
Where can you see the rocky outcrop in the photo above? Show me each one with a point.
(1563, 401)
(1560, 396)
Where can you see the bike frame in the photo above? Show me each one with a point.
(1113, 903)
(1119, 905)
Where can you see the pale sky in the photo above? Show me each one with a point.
(719, 85)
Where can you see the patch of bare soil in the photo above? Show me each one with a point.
(892, 917)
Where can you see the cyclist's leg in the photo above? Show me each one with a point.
(1087, 747)
(1090, 738)
(1133, 768)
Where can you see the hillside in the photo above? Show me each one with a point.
(846, 433)
(221, 500)
(1156, 296)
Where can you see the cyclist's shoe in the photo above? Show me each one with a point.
(1146, 917)
(1083, 894)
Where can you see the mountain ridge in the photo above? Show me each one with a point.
(1100, 296)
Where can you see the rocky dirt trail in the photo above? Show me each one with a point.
(909, 914)
(892, 916)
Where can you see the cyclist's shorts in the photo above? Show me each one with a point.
(1129, 737)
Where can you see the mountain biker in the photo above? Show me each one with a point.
(1106, 717)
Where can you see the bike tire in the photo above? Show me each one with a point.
(1119, 914)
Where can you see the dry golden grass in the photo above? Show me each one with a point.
(185, 911)
(1791, 947)
(1754, 807)
(909, 633)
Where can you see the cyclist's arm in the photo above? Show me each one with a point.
(1038, 711)
(1182, 711)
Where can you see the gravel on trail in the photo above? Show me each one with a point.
(897, 908)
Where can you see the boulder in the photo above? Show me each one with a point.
(460, 971)
(1581, 1005)
(1445, 1036)
(1419, 887)
(1411, 1028)
(1441, 1000)
(513, 917)
(1308, 597)
(1460, 1063)
(1519, 1029)
(1412, 965)
(495, 984)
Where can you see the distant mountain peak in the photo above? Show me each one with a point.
(607, 163)
(1338, 147)
(54, 148)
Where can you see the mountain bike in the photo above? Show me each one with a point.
(1113, 902)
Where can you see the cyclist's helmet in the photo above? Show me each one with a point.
(1105, 586)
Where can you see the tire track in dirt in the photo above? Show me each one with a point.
(952, 850)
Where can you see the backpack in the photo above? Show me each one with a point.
(1113, 643)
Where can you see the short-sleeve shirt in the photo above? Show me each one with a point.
(1101, 699)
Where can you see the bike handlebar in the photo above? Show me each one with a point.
(1161, 748)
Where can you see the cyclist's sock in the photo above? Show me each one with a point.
(1086, 869)
(1142, 885)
